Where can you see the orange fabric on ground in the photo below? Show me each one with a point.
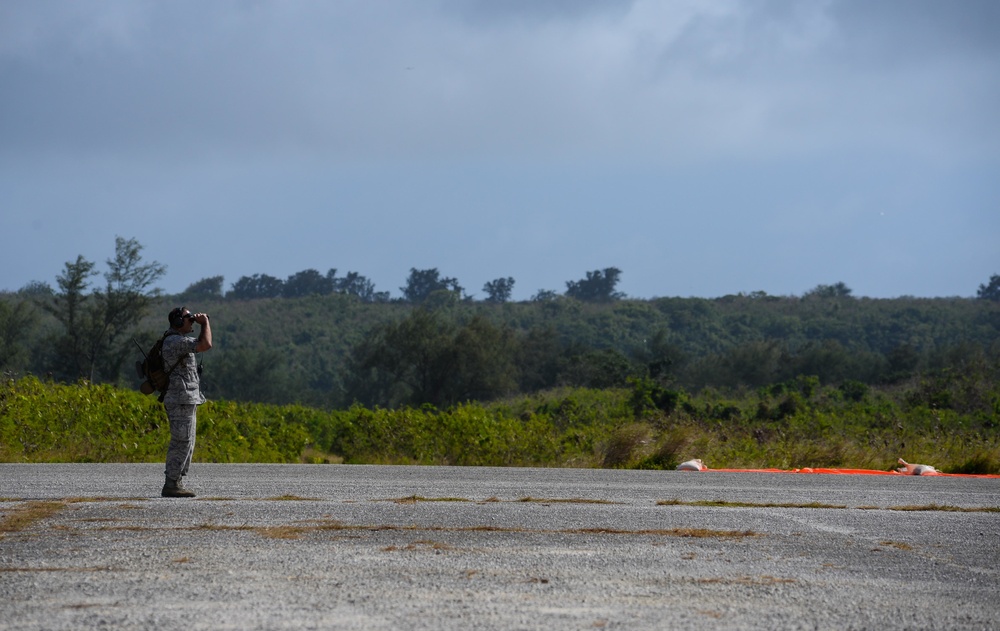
(824, 470)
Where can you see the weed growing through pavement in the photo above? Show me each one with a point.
(899, 545)
(947, 509)
(745, 580)
(294, 531)
(97, 568)
(728, 504)
(413, 499)
(292, 498)
(572, 500)
(102, 498)
(23, 517)
(281, 532)
(435, 546)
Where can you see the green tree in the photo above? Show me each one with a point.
(354, 284)
(828, 359)
(541, 359)
(307, 283)
(499, 290)
(16, 324)
(605, 368)
(598, 286)
(69, 306)
(991, 290)
(544, 295)
(837, 290)
(243, 374)
(659, 355)
(425, 358)
(409, 361)
(903, 362)
(753, 363)
(129, 291)
(204, 289)
(422, 283)
(36, 289)
(485, 366)
(256, 286)
(98, 326)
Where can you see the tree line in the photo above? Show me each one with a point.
(421, 286)
(330, 341)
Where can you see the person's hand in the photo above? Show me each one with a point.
(201, 318)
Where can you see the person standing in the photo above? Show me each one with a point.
(183, 395)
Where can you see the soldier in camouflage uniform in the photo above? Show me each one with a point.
(184, 395)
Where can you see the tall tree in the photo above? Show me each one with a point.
(485, 360)
(544, 295)
(356, 285)
(124, 301)
(598, 286)
(422, 283)
(98, 326)
(307, 283)
(837, 290)
(69, 306)
(425, 359)
(245, 374)
(499, 290)
(204, 289)
(990, 291)
(256, 286)
(411, 360)
(16, 323)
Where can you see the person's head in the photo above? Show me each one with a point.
(180, 319)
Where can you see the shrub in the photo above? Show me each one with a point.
(983, 462)
(623, 443)
(669, 450)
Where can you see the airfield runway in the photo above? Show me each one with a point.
(378, 547)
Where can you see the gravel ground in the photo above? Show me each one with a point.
(369, 547)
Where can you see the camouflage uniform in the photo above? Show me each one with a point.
(182, 399)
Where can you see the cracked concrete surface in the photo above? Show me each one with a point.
(372, 547)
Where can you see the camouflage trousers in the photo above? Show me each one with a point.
(183, 422)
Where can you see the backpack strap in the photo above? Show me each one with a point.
(165, 336)
(176, 363)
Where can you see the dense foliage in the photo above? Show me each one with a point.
(333, 350)
(331, 341)
(949, 421)
(50, 422)
(321, 366)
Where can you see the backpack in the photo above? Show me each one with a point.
(151, 370)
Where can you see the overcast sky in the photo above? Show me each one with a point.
(702, 147)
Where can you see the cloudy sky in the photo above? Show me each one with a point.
(703, 147)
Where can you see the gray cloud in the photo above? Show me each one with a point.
(382, 79)
(243, 106)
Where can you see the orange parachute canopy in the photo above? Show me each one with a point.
(825, 470)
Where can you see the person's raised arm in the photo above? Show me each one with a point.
(205, 336)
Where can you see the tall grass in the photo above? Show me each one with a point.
(49, 422)
(812, 427)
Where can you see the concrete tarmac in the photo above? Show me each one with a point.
(378, 547)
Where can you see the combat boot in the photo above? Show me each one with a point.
(173, 488)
